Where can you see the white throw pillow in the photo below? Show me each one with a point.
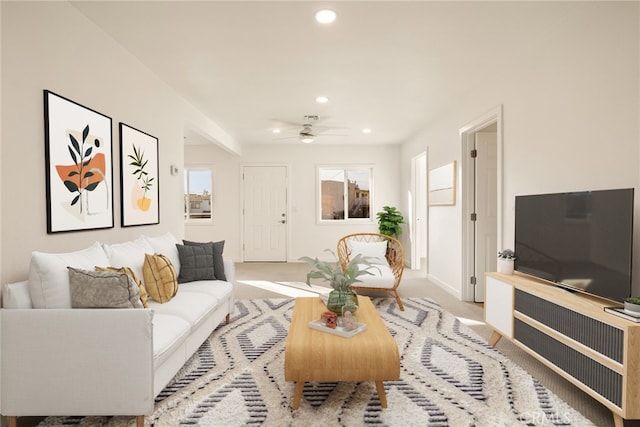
(377, 251)
(166, 245)
(16, 295)
(49, 277)
(128, 254)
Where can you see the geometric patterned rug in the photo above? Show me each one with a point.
(449, 376)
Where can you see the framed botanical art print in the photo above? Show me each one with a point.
(140, 195)
(79, 166)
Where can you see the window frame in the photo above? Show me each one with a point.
(345, 168)
(195, 168)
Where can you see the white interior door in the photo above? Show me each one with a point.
(265, 213)
(486, 223)
(419, 237)
(473, 269)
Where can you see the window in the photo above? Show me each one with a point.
(345, 193)
(198, 193)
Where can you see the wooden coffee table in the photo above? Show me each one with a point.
(312, 355)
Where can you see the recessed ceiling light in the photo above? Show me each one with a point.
(275, 130)
(322, 99)
(325, 16)
(366, 130)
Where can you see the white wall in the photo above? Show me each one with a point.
(226, 196)
(49, 45)
(571, 116)
(571, 121)
(305, 236)
(0, 146)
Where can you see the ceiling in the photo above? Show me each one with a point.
(252, 66)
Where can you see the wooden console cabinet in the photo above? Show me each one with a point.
(571, 334)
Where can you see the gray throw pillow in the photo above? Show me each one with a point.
(102, 289)
(196, 263)
(218, 262)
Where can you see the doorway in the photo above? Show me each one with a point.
(264, 209)
(418, 202)
(481, 201)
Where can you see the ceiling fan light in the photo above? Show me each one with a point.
(306, 139)
(325, 16)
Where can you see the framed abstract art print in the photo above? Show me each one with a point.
(79, 167)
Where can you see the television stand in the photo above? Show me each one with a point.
(571, 334)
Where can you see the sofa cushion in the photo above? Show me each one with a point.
(169, 331)
(381, 276)
(166, 245)
(160, 278)
(196, 263)
(217, 249)
(190, 306)
(49, 278)
(215, 288)
(128, 254)
(126, 270)
(102, 289)
(376, 251)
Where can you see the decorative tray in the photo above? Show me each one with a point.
(339, 330)
(631, 313)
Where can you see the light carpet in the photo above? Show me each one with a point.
(449, 377)
(288, 289)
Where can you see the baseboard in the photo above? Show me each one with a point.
(453, 291)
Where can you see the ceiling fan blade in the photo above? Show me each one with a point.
(307, 129)
(330, 127)
(284, 124)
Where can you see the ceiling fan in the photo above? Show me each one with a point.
(308, 134)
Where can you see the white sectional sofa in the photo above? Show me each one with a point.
(58, 360)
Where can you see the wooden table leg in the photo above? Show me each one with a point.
(495, 337)
(618, 421)
(382, 395)
(297, 395)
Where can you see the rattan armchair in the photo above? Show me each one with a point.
(383, 279)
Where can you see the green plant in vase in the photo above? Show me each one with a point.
(340, 279)
(632, 304)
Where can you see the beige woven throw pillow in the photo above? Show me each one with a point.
(130, 273)
(160, 278)
(102, 289)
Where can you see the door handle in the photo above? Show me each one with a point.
(283, 221)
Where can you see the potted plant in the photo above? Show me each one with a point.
(339, 279)
(505, 261)
(389, 221)
(632, 304)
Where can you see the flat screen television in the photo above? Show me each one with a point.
(579, 240)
